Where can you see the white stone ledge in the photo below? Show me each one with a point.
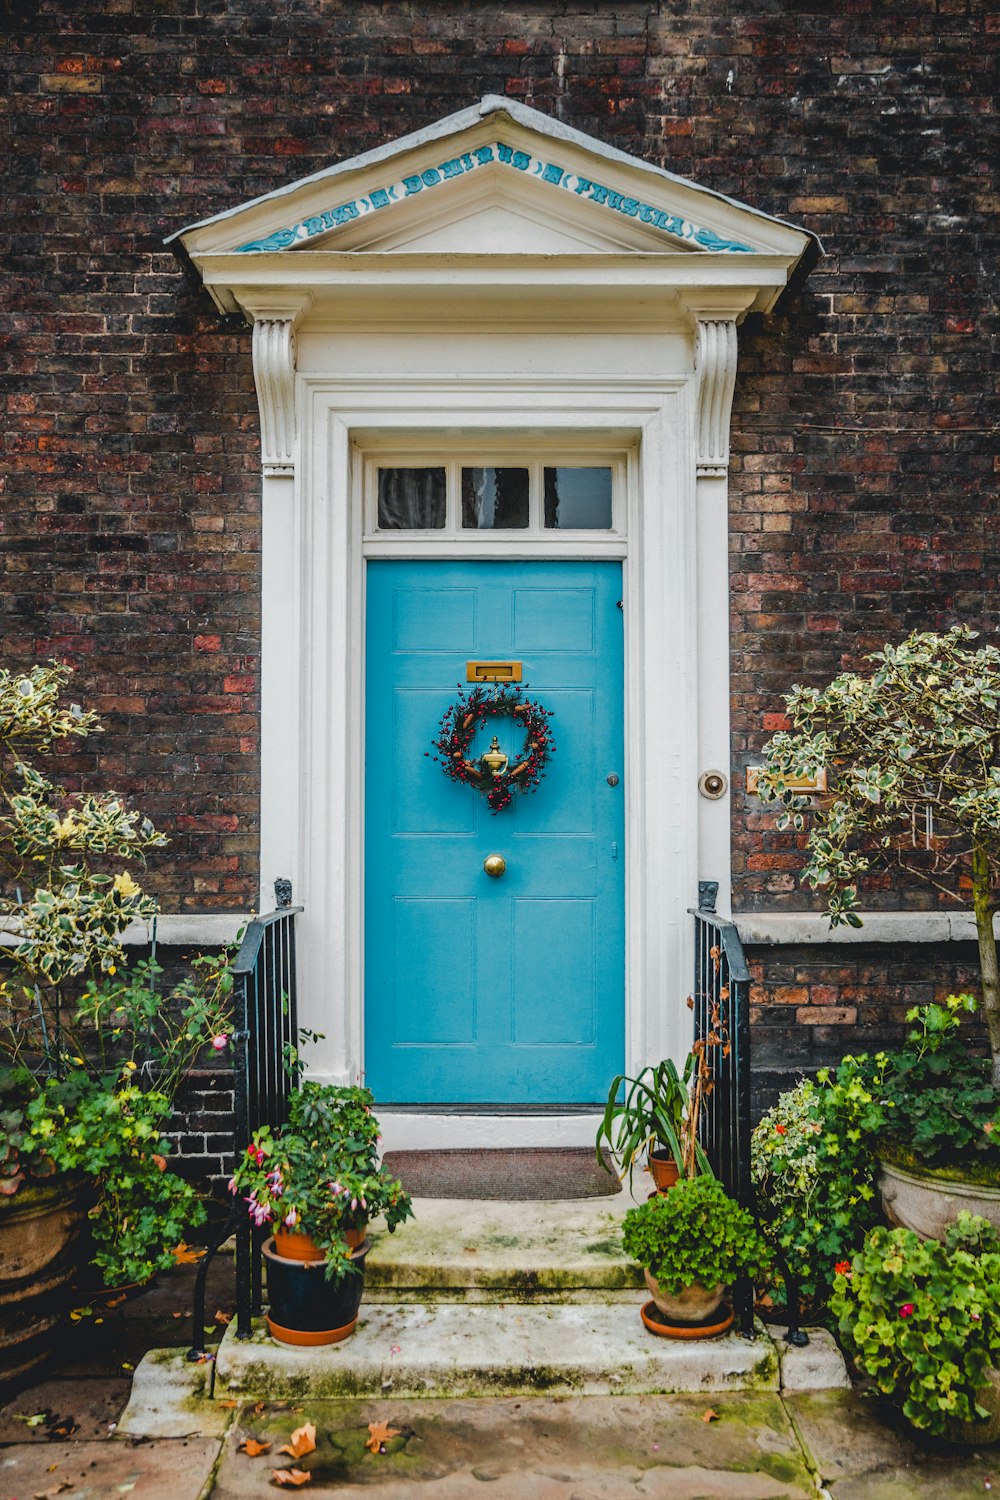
(173, 930)
(775, 929)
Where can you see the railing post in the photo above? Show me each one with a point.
(264, 1019)
(722, 991)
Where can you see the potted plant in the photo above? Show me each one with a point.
(317, 1182)
(814, 1174)
(692, 1244)
(90, 1053)
(922, 1319)
(937, 1131)
(912, 752)
(653, 1117)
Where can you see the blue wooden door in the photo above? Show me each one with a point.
(478, 989)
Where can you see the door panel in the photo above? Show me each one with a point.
(483, 990)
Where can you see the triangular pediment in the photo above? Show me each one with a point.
(495, 182)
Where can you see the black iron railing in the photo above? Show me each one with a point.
(722, 1036)
(722, 1031)
(264, 1039)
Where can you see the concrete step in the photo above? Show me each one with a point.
(465, 1251)
(492, 1349)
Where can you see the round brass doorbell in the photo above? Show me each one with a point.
(494, 864)
(713, 785)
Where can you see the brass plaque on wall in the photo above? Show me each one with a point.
(493, 671)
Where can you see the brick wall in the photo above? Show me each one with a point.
(863, 477)
(811, 1004)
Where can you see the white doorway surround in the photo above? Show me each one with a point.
(498, 283)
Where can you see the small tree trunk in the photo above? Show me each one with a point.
(989, 968)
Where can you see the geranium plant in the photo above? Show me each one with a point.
(694, 1235)
(319, 1174)
(912, 752)
(92, 1052)
(922, 1318)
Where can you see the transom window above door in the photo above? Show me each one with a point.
(471, 498)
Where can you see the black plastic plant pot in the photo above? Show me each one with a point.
(305, 1308)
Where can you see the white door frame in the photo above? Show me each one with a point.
(313, 755)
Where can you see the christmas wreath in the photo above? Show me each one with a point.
(492, 773)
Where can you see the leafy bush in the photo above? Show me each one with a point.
(319, 1174)
(814, 1172)
(941, 1108)
(913, 759)
(922, 1318)
(694, 1234)
(93, 1052)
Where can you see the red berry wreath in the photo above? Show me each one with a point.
(458, 727)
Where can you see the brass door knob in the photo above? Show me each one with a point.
(494, 864)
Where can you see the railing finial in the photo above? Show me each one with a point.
(282, 893)
(708, 890)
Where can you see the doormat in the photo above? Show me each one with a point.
(506, 1176)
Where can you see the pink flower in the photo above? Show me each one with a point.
(907, 1310)
(291, 1218)
(220, 1041)
(232, 1185)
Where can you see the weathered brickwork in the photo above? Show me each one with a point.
(864, 468)
(809, 1005)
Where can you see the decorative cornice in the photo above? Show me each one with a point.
(715, 370)
(675, 227)
(274, 377)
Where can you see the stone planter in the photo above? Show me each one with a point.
(695, 1304)
(41, 1228)
(972, 1434)
(928, 1201)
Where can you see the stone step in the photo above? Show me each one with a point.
(455, 1350)
(474, 1251)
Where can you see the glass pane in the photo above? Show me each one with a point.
(578, 499)
(412, 499)
(494, 498)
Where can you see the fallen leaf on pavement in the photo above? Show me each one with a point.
(252, 1448)
(291, 1476)
(710, 1416)
(184, 1255)
(379, 1433)
(223, 1317)
(229, 1405)
(303, 1441)
(35, 1421)
(57, 1489)
(64, 1428)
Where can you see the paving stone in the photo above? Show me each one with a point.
(167, 1470)
(862, 1451)
(90, 1407)
(170, 1399)
(818, 1366)
(539, 1448)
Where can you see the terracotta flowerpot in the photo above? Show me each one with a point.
(41, 1228)
(294, 1244)
(928, 1201)
(663, 1168)
(695, 1304)
(304, 1308)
